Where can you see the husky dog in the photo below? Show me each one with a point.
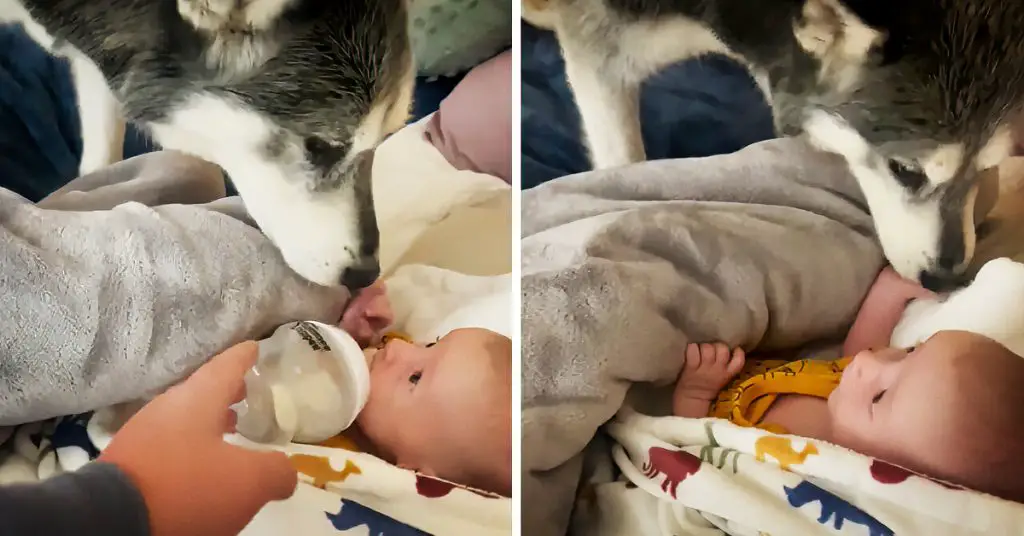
(917, 96)
(290, 97)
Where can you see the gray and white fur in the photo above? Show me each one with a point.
(289, 97)
(917, 96)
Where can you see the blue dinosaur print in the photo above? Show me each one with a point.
(805, 493)
(72, 432)
(353, 514)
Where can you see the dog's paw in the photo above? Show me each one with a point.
(831, 134)
(218, 15)
(209, 15)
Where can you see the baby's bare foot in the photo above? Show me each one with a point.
(708, 369)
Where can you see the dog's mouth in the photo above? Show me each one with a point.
(943, 283)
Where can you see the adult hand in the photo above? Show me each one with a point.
(174, 451)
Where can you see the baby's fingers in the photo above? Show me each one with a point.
(721, 352)
(739, 358)
(692, 356)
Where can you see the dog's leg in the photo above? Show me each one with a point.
(98, 109)
(609, 106)
(214, 15)
(99, 114)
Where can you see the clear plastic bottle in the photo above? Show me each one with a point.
(310, 382)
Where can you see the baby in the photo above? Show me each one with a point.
(442, 409)
(951, 408)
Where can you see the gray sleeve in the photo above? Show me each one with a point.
(97, 499)
(108, 306)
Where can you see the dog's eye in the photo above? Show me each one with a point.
(911, 179)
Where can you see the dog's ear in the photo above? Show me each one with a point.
(831, 32)
(539, 13)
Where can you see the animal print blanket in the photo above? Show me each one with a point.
(341, 491)
(709, 476)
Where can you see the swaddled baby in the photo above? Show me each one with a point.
(951, 408)
(444, 408)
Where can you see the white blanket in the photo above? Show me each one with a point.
(709, 476)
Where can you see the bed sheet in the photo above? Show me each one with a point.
(694, 108)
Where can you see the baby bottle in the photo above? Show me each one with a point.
(309, 383)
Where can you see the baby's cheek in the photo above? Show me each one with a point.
(372, 420)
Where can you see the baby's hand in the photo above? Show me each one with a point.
(708, 369)
(368, 314)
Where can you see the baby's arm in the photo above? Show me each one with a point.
(881, 311)
(707, 370)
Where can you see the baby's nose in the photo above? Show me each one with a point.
(863, 366)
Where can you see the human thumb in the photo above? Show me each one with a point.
(268, 476)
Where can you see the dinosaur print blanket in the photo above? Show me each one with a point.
(709, 476)
(341, 492)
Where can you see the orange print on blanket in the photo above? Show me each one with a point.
(320, 469)
(781, 449)
(340, 442)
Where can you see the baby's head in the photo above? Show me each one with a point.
(445, 409)
(952, 408)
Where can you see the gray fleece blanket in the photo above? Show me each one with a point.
(770, 248)
(105, 306)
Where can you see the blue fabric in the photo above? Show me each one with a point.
(695, 108)
(40, 133)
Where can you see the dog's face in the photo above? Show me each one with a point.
(357, 77)
(351, 175)
(926, 110)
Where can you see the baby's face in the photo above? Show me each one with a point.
(898, 404)
(428, 404)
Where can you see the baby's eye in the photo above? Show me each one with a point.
(878, 397)
(415, 377)
(429, 344)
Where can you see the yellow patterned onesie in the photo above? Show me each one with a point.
(749, 396)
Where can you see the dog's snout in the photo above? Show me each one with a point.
(941, 280)
(948, 262)
(361, 275)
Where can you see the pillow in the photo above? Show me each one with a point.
(419, 196)
(429, 302)
(989, 306)
(473, 125)
(452, 36)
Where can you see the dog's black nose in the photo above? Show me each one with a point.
(941, 281)
(361, 275)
